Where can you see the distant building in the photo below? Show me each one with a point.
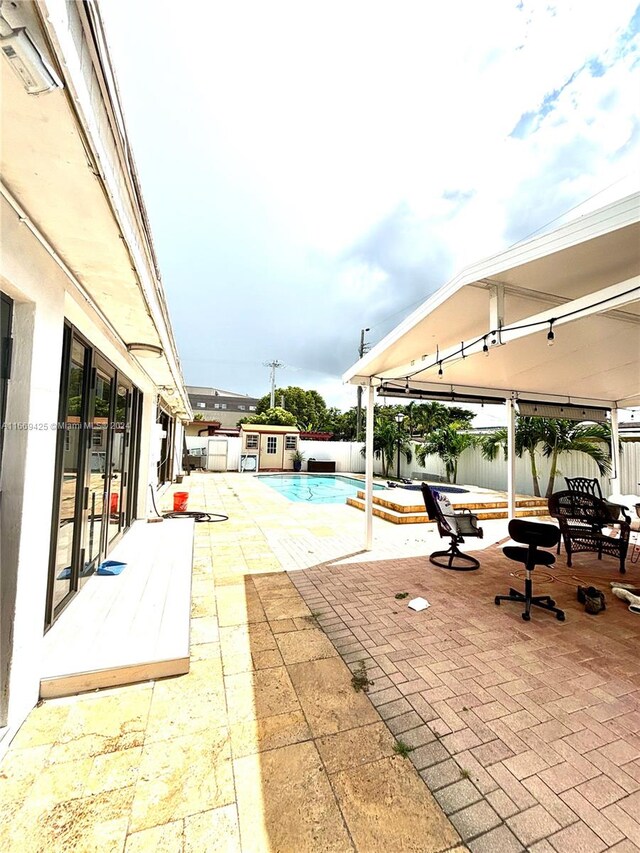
(223, 407)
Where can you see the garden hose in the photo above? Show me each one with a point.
(196, 515)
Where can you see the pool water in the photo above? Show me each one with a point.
(314, 488)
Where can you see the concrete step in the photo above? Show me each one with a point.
(414, 514)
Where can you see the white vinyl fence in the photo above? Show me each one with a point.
(473, 469)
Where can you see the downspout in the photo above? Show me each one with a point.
(368, 444)
(614, 480)
(511, 459)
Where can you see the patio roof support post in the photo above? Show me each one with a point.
(614, 479)
(511, 459)
(368, 443)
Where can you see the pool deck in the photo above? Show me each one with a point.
(517, 736)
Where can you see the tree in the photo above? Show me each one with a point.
(562, 436)
(529, 434)
(447, 443)
(275, 417)
(427, 417)
(341, 424)
(554, 437)
(389, 439)
(308, 407)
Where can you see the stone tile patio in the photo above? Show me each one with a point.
(264, 746)
(526, 734)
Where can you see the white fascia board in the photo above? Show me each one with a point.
(614, 216)
(113, 175)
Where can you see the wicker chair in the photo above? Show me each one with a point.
(582, 519)
(455, 525)
(584, 486)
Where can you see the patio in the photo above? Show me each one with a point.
(525, 733)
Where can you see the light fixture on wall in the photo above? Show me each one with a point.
(169, 390)
(142, 350)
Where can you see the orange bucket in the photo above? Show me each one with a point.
(180, 500)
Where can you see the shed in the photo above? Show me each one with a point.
(266, 447)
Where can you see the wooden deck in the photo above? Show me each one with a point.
(129, 627)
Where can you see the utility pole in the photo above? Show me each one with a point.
(361, 351)
(274, 365)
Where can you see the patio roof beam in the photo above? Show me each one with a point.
(424, 390)
(599, 302)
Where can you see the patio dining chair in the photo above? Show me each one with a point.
(584, 519)
(584, 486)
(455, 525)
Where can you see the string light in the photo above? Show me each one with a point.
(517, 327)
(551, 338)
(406, 387)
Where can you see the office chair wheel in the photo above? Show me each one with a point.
(497, 600)
(560, 616)
(552, 603)
(526, 617)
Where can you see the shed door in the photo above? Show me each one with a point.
(271, 451)
(217, 454)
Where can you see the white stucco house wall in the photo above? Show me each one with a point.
(92, 396)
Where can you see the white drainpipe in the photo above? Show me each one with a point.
(511, 459)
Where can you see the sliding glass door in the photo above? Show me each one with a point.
(120, 454)
(94, 466)
(70, 453)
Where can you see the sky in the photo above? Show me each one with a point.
(312, 169)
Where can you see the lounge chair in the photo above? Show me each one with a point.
(455, 525)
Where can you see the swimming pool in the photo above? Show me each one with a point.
(314, 488)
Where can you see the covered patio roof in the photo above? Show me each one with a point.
(580, 282)
(577, 288)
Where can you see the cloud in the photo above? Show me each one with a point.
(311, 171)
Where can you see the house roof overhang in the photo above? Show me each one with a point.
(68, 175)
(584, 276)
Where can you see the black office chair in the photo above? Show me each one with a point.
(535, 536)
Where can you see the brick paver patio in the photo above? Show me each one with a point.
(542, 718)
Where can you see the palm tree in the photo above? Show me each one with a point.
(529, 433)
(447, 443)
(389, 439)
(427, 417)
(562, 436)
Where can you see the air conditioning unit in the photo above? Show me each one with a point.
(248, 462)
(36, 74)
